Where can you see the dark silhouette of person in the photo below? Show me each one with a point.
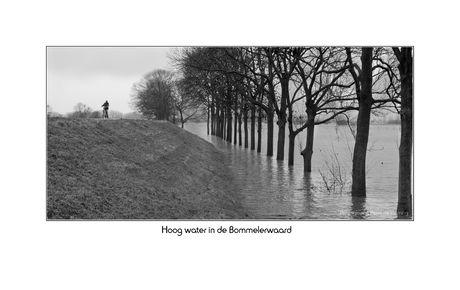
(105, 112)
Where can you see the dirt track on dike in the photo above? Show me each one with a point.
(135, 169)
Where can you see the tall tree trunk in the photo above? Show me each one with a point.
(270, 117)
(235, 126)
(404, 208)
(181, 118)
(358, 187)
(235, 122)
(245, 126)
(292, 136)
(282, 118)
(307, 153)
(270, 111)
(253, 127)
(281, 135)
(291, 148)
(240, 132)
(229, 123)
(208, 120)
(222, 123)
(217, 121)
(213, 119)
(259, 130)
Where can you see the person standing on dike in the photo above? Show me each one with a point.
(105, 112)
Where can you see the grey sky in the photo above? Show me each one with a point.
(91, 75)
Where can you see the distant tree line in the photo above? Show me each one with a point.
(83, 111)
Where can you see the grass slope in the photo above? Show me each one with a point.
(135, 169)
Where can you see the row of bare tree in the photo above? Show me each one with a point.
(240, 86)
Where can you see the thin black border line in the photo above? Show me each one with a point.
(230, 220)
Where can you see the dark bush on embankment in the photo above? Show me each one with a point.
(135, 169)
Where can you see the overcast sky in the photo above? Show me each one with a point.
(91, 75)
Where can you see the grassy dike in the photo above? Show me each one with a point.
(135, 169)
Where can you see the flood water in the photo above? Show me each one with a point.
(273, 190)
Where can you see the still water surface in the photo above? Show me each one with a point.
(273, 190)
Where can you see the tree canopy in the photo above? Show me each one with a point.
(153, 96)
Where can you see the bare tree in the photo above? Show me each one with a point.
(365, 80)
(188, 104)
(322, 75)
(404, 56)
(81, 111)
(282, 62)
(153, 96)
(363, 85)
(51, 113)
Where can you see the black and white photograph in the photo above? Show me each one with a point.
(229, 145)
(259, 133)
